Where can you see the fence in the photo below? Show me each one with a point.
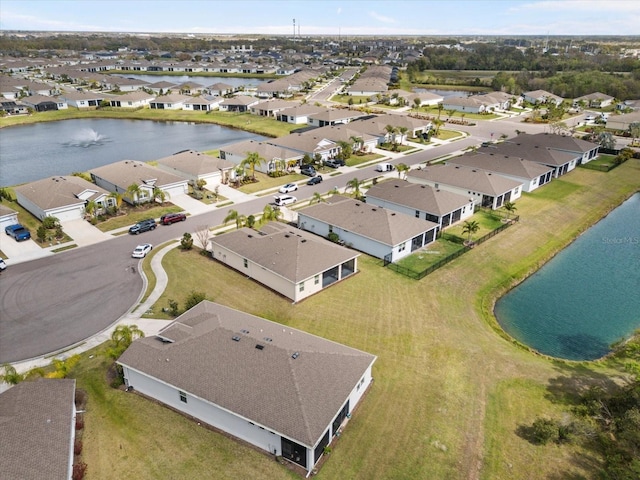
(440, 263)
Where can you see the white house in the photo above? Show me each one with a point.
(374, 230)
(286, 260)
(196, 166)
(421, 201)
(8, 216)
(173, 101)
(138, 99)
(284, 391)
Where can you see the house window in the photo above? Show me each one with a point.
(183, 397)
(316, 280)
(301, 287)
(246, 263)
(330, 228)
(417, 213)
(401, 248)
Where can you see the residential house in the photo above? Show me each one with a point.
(279, 389)
(239, 103)
(377, 125)
(538, 97)
(118, 177)
(271, 108)
(161, 88)
(333, 117)
(173, 101)
(8, 216)
(38, 430)
(349, 133)
(475, 103)
(42, 103)
(308, 144)
(291, 262)
(595, 100)
(276, 157)
(421, 201)
(139, 99)
(83, 99)
(196, 166)
(425, 98)
(623, 121)
(298, 115)
(531, 174)
(13, 108)
(486, 189)
(219, 89)
(203, 103)
(374, 230)
(63, 197)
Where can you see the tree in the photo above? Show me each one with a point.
(606, 140)
(316, 198)
(403, 133)
(234, 216)
(117, 197)
(252, 161)
(391, 131)
(417, 103)
(470, 227)
(402, 169)
(124, 335)
(202, 234)
(10, 375)
(41, 233)
(159, 194)
(510, 207)
(186, 243)
(270, 214)
(133, 192)
(63, 367)
(193, 299)
(356, 142)
(90, 208)
(355, 185)
(345, 149)
(634, 130)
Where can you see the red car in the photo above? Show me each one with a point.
(170, 218)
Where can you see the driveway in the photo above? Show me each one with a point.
(21, 251)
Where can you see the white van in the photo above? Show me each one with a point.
(384, 167)
(285, 200)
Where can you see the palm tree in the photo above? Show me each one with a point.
(133, 192)
(117, 196)
(10, 375)
(159, 194)
(438, 123)
(357, 142)
(90, 208)
(440, 108)
(510, 207)
(317, 198)
(355, 184)
(233, 215)
(470, 227)
(402, 169)
(403, 132)
(121, 337)
(417, 103)
(252, 161)
(270, 214)
(391, 130)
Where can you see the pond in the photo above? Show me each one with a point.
(41, 150)
(586, 298)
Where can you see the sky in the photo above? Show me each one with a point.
(327, 17)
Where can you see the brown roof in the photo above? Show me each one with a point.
(467, 178)
(127, 172)
(195, 163)
(370, 221)
(61, 191)
(265, 150)
(421, 197)
(288, 252)
(502, 164)
(37, 421)
(295, 397)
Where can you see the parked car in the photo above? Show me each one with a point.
(18, 232)
(141, 250)
(3, 265)
(308, 170)
(315, 180)
(384, 167)
(282, 200)
(334, 163)
(143, 226)
(289, 187)
(169, 218)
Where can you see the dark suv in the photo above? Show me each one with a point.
(170, 218)
(143, 226)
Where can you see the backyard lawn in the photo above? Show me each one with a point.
(451, 392)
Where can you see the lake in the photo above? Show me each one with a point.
(587, 297)
(41, 150)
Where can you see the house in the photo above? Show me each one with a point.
(486, 189)
(38, 429)
(220, 89)
(623, 121)
(42, 103)
(271, 108)
(563, 152)
(118, 177)
(83, 99)
(13, 108)
(377, 125)
(595, 100)
(173, 101)
(240, 103)
(139, 99)
(376, 231)
(333, 117)
(424, 98)
(284, 391)
(421, 201)
(476, 103)
(276, 157)
(204, 103)
(196, 166)
(538, 97)
(8, 216)
(308, 144)
(349, 133)
(160, 88)
(298, 115)
(531, 174)
(289, 261)
(63, 197)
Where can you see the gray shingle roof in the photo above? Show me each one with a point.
(195, 163)
(502, 164)
(370, 221)
(420, 197)
(289, 252)
(468, 178)
(62, 191)
(297, 398)
(126, 172)
(36, 420)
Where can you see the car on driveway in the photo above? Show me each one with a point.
(3, 265)
(143, 226)
(334, 163)
(169, 218)
(288, 188)
(308, 170)
(141, 250)
(315, 180)
(18, 232)
(282, 200)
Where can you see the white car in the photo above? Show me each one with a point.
(2, 264)
(289, 187)
(141, 250)
(285, 200)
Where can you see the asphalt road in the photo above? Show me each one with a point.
(51, 303)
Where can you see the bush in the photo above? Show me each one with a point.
(543, 430)
(187, 242)
(173, 308)
(77, 447)
(50, 222)
(79, 423)
(193, 299)
(79, 469)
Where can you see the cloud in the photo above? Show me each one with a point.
(381, 18)
(579, 7)
(339, 10)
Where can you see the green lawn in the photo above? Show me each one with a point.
(432, 254)
(265, 182)
(133, 215)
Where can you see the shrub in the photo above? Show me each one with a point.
(77, 447)
(187, 241)
(79, 423)
(173, 308)
(193, 299)
(543, 430)
(79, 469)
(50, 222)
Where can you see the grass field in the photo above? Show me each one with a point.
(451, 392)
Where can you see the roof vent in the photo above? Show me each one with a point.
(244, 330)
(235, 338)
(295, 355)
(397, 186)
(303, 240)
(259, 346)
(286, 235)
